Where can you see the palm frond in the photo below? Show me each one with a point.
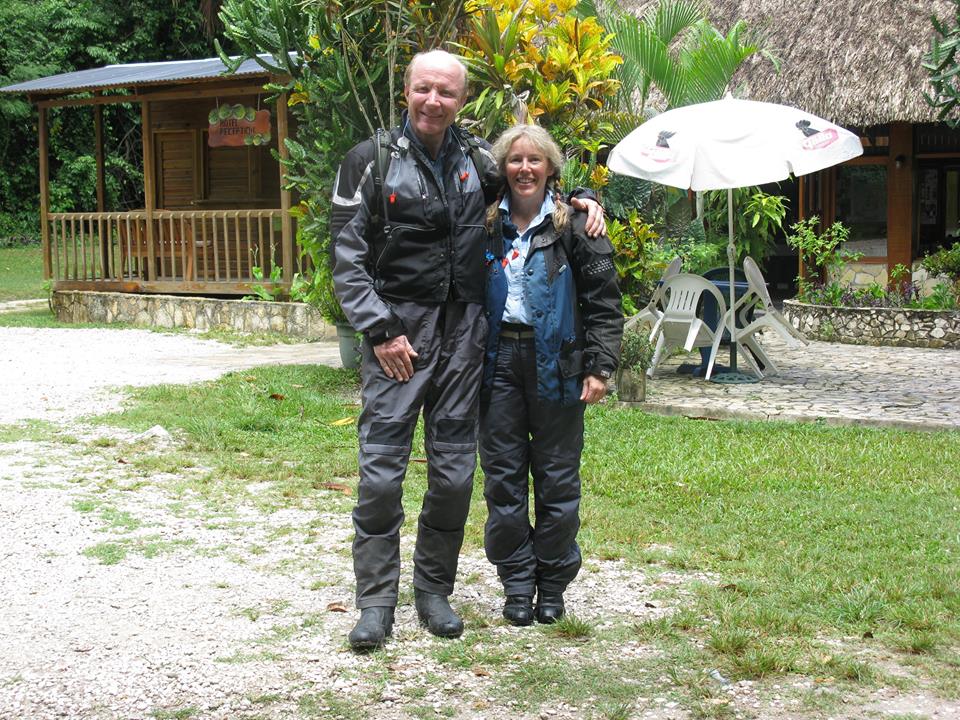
(671, 17)
(619, 125)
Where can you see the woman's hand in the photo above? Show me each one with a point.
(596, 225)
(594, 389)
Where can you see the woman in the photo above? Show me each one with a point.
(555, 325)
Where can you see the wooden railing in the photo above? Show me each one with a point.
(212, 251)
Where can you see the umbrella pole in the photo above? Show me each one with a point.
(732, 260)
(732, 376)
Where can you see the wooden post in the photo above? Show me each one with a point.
(104, 240)
(900, 197)
(149, 184)
(287, 238)
(44, 192)
(98, 153)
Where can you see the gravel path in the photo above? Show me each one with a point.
(60, 374)
(126, 597)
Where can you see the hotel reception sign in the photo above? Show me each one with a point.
(238, 125)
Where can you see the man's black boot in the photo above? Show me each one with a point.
(372, 629)
(549, 607)
(436, 614)
(518, 609)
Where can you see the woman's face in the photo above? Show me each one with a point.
(527, 170)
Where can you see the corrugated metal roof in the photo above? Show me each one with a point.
(134, 74)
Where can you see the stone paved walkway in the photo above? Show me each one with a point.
(911, 388)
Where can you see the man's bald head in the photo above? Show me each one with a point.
(438, 58)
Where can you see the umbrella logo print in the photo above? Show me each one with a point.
(816, 139)
(661, 152)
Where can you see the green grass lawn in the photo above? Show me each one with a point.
(21, 273)
(806, 532)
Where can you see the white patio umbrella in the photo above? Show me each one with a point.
(727, 144)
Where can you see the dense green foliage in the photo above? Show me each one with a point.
(539, 60)
(47, 37)
(345, 62)
(552, 61)
(757, 220)
(673, 49)
(824, 256)
(944, 262)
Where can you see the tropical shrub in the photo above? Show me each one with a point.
(651, 225)
(757, 218)
(944, 296)
(944, 262)
(636, 350)
(820, 252)
(538, 61)
(674, 49)
(823, 250)
(635, 244)
(345, 60)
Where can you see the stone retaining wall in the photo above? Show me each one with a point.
(876, 326)
(172, 311)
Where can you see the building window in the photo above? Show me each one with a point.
(938, 205)
(862, 207)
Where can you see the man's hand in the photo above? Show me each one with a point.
(396, 357)
(594, 389)
(596, 225)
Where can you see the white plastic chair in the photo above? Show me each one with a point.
(766, 316)
(652, 312)
(679, 325)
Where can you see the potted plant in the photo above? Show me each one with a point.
(316, 288)
(329, 306)
(636, 353)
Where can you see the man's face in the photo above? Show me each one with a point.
(434, 97)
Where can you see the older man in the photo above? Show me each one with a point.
(410, 247)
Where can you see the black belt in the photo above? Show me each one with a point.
(515, 331)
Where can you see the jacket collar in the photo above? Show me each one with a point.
(546, 213)
(408, 132)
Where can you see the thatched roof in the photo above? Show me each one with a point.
(854, 62)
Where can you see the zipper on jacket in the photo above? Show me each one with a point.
(421, 161)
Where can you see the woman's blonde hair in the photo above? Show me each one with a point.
(542, 141)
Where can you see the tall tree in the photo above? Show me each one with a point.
(47, 37)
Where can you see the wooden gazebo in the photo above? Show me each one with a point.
(214, 205)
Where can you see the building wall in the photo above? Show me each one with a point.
(861, 275)
(192, 175)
